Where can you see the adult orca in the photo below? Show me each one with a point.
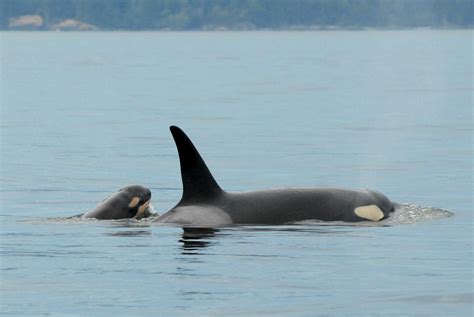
(205, 204)
(128, 202)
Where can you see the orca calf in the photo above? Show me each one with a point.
(205, 204)
(128, 202)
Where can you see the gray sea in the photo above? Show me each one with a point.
(83, 114)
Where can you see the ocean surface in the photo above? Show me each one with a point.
(84, 114)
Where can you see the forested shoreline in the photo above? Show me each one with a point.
(233, 14)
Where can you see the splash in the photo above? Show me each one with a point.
(411, 213)
(79, 219)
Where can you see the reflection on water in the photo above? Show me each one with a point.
(128, 228)
(193, 239)
(129, 233)
(127, 223)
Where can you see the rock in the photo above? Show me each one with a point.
(26, 22)
(73, 25)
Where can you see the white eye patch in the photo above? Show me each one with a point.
(371, 212)
(134, 202)
(142, 210)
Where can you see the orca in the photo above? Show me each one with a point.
(128, 202)
(205, 204)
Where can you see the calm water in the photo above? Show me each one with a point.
(83, 114)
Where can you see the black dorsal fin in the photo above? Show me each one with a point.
(198, 182)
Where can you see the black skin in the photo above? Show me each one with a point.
(118, 205)
(204, 203)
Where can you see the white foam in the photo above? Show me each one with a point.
(410, 213)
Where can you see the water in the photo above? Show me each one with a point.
(83, 114)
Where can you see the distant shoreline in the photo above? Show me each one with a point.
(235, 15)
(291, 29)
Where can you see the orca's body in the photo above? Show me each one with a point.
(204, 203)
